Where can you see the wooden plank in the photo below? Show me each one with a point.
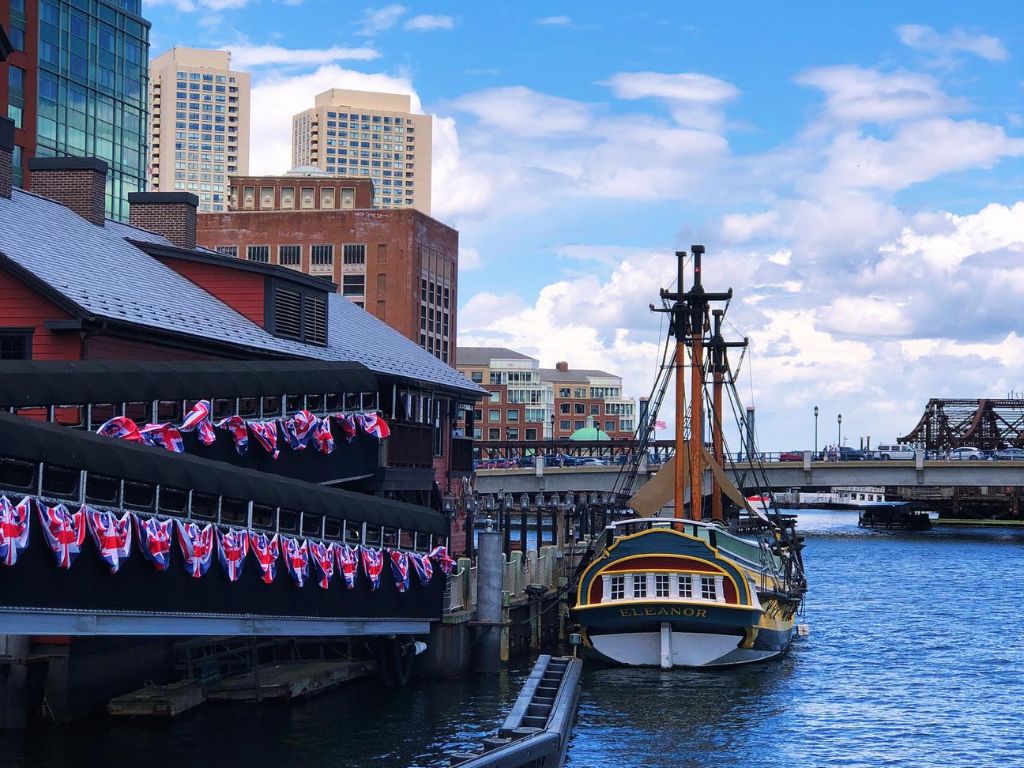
(158, 700)
(288, 681)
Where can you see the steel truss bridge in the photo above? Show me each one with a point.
(985, 424)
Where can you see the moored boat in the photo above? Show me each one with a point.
(685, 589)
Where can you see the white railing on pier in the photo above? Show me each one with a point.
(543, 568)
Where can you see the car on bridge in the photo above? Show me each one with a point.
(894, 452)
(1009, 454)
(967, 453)
(791, 456)
(846, 453)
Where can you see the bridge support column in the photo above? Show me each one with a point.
(489, 575)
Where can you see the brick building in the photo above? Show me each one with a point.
(400, 265)
(527, 402)
(77, 286)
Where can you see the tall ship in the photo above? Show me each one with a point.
(696, 576)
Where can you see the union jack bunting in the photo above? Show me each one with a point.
(233, 546)
(198, 419)
(347, 424)
(374, 424)
(64, 531)
(266, 551)
(239, 432)
(296, 559)
(348, 563)
(265, 433)
(14, 528)
(163, 436)
(440, 556)
(322, 554)
(122, 428)
(323, 440)
(423, 567)
(373, 564)
(400, 569)
(298, 429)
(196, 547)
(155, 540)
(113, 536)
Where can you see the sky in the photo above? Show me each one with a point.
(855, 171)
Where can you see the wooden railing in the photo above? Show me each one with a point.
(410, 445)
(462, 454)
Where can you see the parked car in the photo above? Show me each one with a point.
(851, 454)
(791, 456)
(527, 461)
(1009, 454)
(591, 461)
(895, 452)
(967, 453)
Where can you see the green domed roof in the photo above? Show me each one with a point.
(589, 433)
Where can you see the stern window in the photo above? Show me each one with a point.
(661, 585)
(617, 589)
(639, 585)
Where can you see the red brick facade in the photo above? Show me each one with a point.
(248, 193)
(408, 274)
(171, 214)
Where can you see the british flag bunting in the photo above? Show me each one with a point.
(296, 559)
(155, 540)
(113, 535)
(64, 531)
(348, 563)
(232, 547)
(373, 564)
(266, 551)
(422, 566)
(400, 569)
(322, 555)
(198, 420)
(14, 528)
(196, 547)
(440, 556)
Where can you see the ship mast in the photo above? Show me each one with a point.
(689, 312)
(717, 349)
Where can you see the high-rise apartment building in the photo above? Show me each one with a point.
(199, 124)
(75, 85)
(359, 133)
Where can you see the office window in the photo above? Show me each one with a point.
(494, 434)
(477, 377)
(511, 415)
(513, 433)
(321, 255)
(563, 425)
(353, 285)
(564, 408)
(495, 397)
(531, 433)
(354, 254)
(228, 250)
(289, 255)
(260, 253)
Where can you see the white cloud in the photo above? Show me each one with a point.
(859, 95)
(192, 6)
(555, 21)
(925, 38)
(380, 19)
(686, 86)
(250, 56)
(741, 227)
(426, 23)
(917, 152)
(469, 259)
(521, 111)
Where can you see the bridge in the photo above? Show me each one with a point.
(777, 475)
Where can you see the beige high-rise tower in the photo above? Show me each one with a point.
(198, 124)
(359, 133)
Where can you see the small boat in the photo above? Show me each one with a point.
(689, 589)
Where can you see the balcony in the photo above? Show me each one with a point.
(411, 445)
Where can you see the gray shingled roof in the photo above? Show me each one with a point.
(484, 355)
(98, 270)
(574, 374)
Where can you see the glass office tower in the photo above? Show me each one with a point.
(92, 85)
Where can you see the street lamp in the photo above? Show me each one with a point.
(840, 430)
(815, 431)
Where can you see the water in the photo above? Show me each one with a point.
(914, 659)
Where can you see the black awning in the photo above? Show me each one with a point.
(29, 440)
(27, 383)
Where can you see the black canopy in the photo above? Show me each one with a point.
(29, 440)
(25, 383)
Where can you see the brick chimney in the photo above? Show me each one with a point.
(6, 156)
(562, 366)
(78, 183)
(171, 214)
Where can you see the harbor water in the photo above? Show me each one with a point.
(914, 658)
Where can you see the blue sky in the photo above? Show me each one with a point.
(855, 171)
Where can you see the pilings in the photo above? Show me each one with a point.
(490, 574)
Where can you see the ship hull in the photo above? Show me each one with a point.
(687, 650)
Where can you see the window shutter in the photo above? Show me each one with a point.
(315, 320)
(288, 313)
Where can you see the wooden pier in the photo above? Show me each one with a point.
(287, 681)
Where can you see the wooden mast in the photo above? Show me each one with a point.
(678, 309)
(717, 366)
(697, 305)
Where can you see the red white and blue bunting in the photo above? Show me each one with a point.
(65, 532)
(299, 431)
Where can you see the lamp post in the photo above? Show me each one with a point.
(840, 419)
(815, 431)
